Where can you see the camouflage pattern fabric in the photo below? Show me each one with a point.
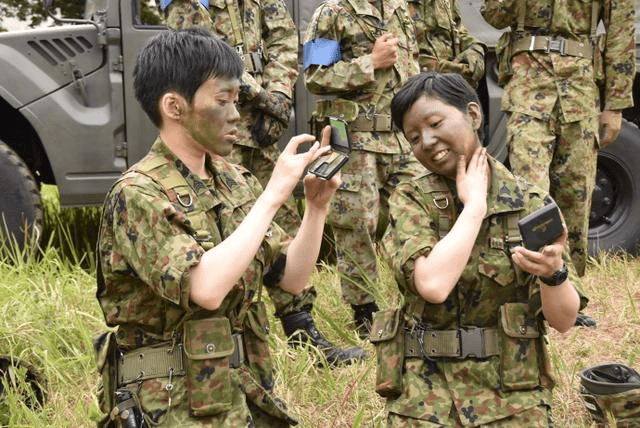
(367, 181)
(147, 245)
(379, 159)
(466, 392)
(444, 42)
(552, 90)
(561, 157)
(353, 78)
(266, 25)
(537, 417)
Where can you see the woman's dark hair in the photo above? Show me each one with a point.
(181, 61)
(450, 88)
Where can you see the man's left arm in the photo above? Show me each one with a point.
(619, 67)
(304, 248)
(279, 75)
(619, 55)
(280, 43)
(472, 51)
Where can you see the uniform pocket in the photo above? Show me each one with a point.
(496, 266)
(387, 335)
(519, 335)
(208, 346)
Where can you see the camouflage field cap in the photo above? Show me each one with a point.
(613, 389)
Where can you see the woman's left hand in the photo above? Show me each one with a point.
(542, 263)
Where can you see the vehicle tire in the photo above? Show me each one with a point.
(20, 201)
(614, 223)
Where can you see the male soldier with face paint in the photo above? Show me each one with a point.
(263, 32)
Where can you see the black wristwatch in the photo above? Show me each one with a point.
(557, 278)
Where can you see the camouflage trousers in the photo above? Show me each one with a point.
(358, 216)
(457, 393)
(537, 417)
(560, 158)
(170, 408)
(261, 161)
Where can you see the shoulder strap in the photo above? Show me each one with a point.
(521, 10)
(178, 191)
(235, 19)
(512, 239)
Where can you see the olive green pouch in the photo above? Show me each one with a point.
(106, 348)
(347, 110)
(256, 344)
(503, 55)
(387, 335)
(518, 337)
(208, 346)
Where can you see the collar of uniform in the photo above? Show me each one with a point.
(507, 193)
(199, 187)
(223, 172)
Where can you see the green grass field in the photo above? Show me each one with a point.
(49, 315)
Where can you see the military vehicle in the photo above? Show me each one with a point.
(70, 118)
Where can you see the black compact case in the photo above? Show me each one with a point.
(541, 227)
(326, 166)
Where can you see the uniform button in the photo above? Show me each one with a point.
(210, 348)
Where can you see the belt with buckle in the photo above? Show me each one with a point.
(468, 342)
(164, 360)
(552, 44)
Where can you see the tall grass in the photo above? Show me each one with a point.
(49, 315)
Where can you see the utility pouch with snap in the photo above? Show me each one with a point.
(519, 336)
(387, 335)
(208, 347)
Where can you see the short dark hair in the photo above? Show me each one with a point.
(181, 61)
(450, 88)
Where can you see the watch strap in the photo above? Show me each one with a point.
(557, 278)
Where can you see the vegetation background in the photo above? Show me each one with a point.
(49, 316)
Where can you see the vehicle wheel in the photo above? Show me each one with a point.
(20, 202)
(614, 223)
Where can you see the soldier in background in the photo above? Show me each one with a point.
(564, 95)
(266, 38)
(361, 52)
(445, 45)
(186, 245)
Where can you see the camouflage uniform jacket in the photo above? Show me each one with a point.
(266, 29)
(355, 25)
(488, 281)
(444, 42)
(147, 245)
(541, 79)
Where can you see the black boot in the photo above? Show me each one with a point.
(363, 316)
(583, 320)
(301, 329)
